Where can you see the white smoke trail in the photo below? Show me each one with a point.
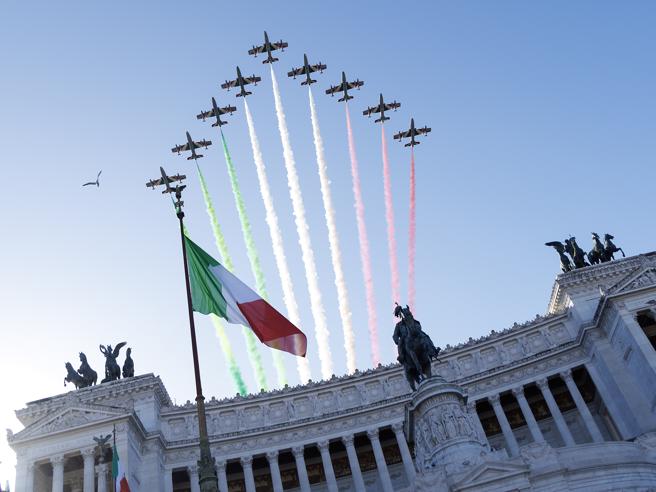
(303, 230)
(333, 240)
(288, 296)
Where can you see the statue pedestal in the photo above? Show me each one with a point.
(447, 440)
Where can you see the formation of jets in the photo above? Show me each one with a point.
(412, 133)
(216, 112)
(344, 87)
(267, 48)
(191, 146)
(306, 70)
(381, 108)
(240, 82)
(166, 182)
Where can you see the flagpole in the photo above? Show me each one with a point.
(207, 478)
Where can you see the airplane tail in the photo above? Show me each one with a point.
(219, 123)
(410, 144)
(345, 98)
(380, 120)
(244, 94)
(308, 82)
(270, 60)
(194, 157)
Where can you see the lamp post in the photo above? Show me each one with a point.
(207, 478)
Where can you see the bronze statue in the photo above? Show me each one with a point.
(597, 254)
(128, 366)
(112, 369)
(565, 264)
(576, 253)
(89, 375)
(415, 348)
(610, 248)
(73, 377)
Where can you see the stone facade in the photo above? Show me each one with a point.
(566, 401)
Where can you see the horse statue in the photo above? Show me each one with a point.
(89, 375)
(73, 377)
(128, 365)
(576, 253)
(610, 248)
(565, 264)
(415, 348)
(112, 369)
(598, 253)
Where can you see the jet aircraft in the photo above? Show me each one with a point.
(192, 146)
(216, 111)
(241, 82)
(344, 86)
(381, 108)
(267, 48)
(166, 180)
(96, 182)
(306, 70)
(412, 133)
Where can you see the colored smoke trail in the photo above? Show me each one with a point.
(364, 246)
(224, 342)
(226, 348)
(333, 240)
(276, 240)
(389, 217)
(251, 340)
(251, 251)
(303, 231)
(412, 236)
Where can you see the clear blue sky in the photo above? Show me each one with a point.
(543, 126)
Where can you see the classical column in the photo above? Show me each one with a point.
(57, 473)
(555, 412)
(221, 473)
(89, 482)
(356, 473)
(471, 410)
(528, 414)
(102, 477)
(29, 477)
(327, 465)
(276, 480)
(299, 457)
(247, 465)
(168, 480)
(380, 460)
(406, 457)
(193, 478)
(588, 420)
(505, 426)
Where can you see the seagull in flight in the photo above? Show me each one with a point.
(96, 182)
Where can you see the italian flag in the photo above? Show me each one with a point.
(215, 290)
(120, 480)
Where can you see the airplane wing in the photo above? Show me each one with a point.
(205, 114)
(252, 79)
(423, 131)
(334, 88)
(297, 71)
(154, 182)
(177, 177)
(318, 66)
(371, 110)
(257, 49)
(228, 109)
(180, 148)
(229, 83)
(401, 135)
(393, 105)
(202, 143)
(355, 85)
(279, 45)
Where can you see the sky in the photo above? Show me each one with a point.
(542, 118)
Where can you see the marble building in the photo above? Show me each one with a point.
(566, 401)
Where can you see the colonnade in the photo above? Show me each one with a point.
(90, 473)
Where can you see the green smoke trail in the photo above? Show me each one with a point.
(251, 250)
(224, 342)
(251, 340)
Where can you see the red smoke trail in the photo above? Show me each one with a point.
(364, 245)
(389, 217)
(412, 239)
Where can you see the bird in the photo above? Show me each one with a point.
(96, 182)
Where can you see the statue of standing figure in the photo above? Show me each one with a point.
(415, 348)
(128, 365)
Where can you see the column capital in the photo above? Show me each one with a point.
(494, 399)
(518, 392)
(246, 461)
(543, 383)
(397, 427)
(566, 375)
(323, 445)
(348, 440)
(220, 464)
(192, 469)
(58, 459)
(272, 455)
(88, 452)
(298, 451)
(102, 468)
(471, 405)
(372, 434)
